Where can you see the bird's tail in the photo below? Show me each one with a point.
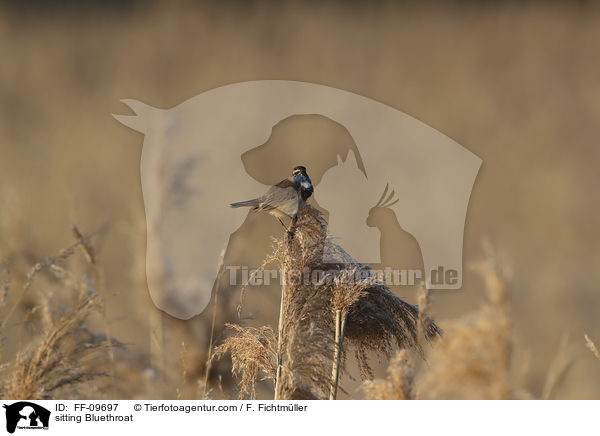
(247, 203)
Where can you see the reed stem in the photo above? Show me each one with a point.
(340, 322)
(212, 331)
(277, 394)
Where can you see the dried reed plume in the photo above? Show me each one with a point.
(472, 360)
(57, 359)
(321, 319)
(64, 356)
(253, 354)
(591, 346)
(399, 385)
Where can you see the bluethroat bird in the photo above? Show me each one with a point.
(286, 198)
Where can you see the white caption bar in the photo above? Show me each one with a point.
(295, 417)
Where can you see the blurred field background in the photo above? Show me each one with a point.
(516, 83)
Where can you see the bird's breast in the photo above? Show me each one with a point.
(306, 185)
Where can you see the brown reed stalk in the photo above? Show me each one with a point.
(591, 346)
(278, 374)
(558, 369)
(424, 304)
(184, 371)
(90, 256)
(209, 357)
(337, 358)
(5, 282)
(346, 291)
(281, 323)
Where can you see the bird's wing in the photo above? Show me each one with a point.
(285, 192)
(285, 183)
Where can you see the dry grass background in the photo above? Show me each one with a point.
(517, 84)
